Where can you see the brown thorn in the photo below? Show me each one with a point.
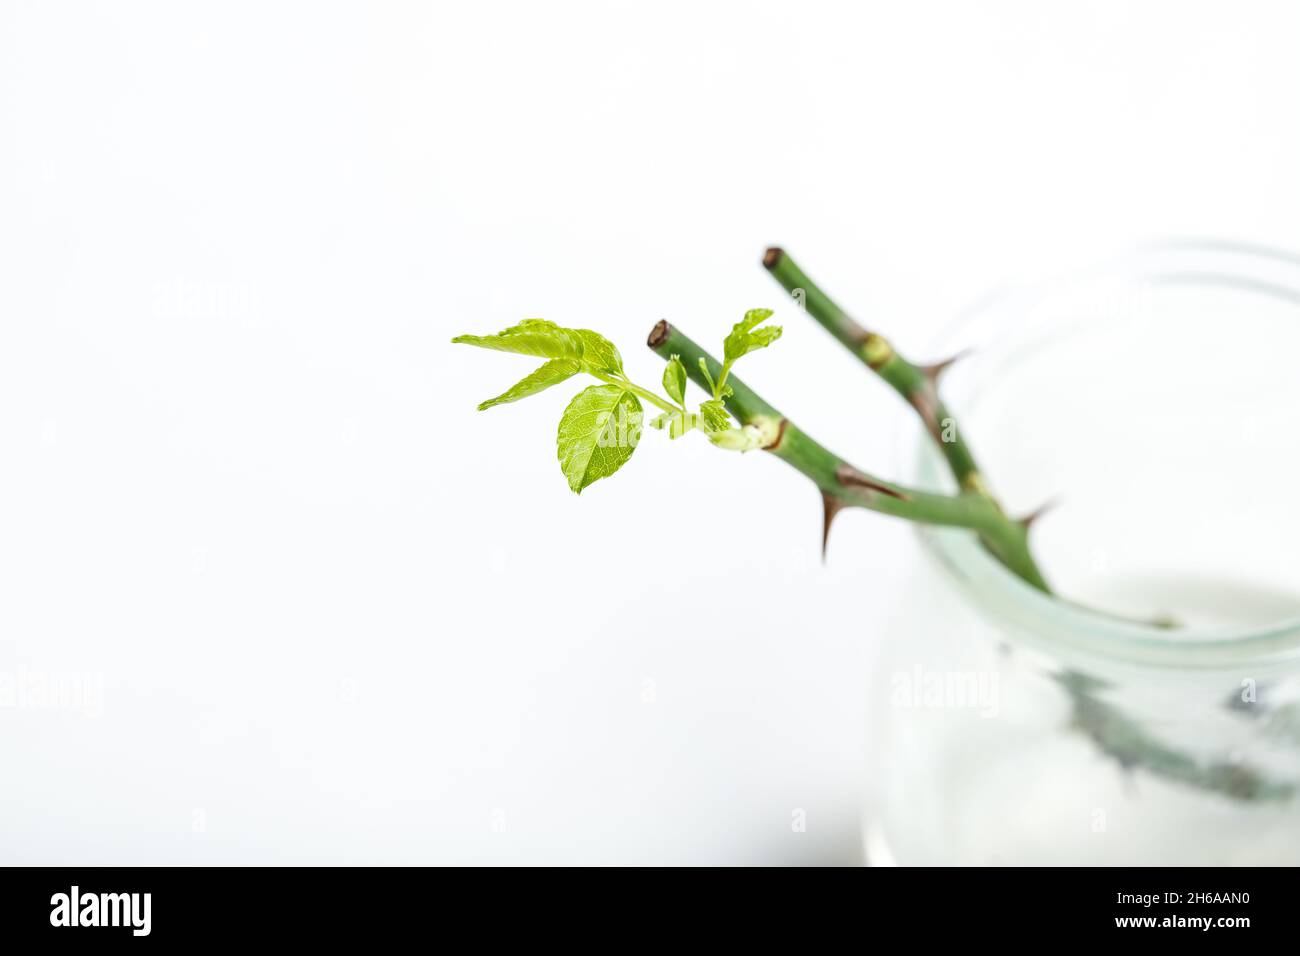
(851, 477)
(932, 372)
(831, 506)
(1028, 520)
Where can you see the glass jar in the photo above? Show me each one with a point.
(1150, 712)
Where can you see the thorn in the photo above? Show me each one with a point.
(831, 506)
(1028, 520)
(932, 372)
(848, 475)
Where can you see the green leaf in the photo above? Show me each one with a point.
(745, 335)
(552, 373)
(753, 318)
(675, 379)
(548, 340)
(704, 367)
(715, 416)
(530, 337)
(598, 352)
(598, 433)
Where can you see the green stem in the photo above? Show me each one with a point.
(918, 385)
(1108, 727)
(1131, 745)
(844, 485)
(635, 389)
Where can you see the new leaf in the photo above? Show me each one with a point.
(745, 335)
(552, 373)
(675, 380)
(530, 337)
(598, 353)
(548, 340)
(714, 414)
(598, 433)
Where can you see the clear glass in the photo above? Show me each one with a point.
(1155, 400)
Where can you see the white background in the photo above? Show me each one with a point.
(339, 615)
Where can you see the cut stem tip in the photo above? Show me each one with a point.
(659, 334)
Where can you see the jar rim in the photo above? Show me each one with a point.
(1055, 624)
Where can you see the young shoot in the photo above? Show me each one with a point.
(601, 426)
